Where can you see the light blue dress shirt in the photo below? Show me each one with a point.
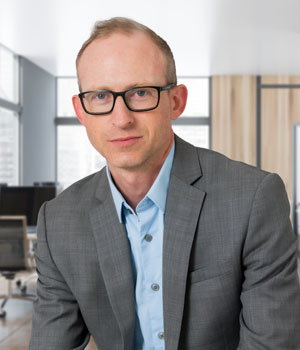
(145, 233)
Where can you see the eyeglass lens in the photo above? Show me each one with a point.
(136, 99)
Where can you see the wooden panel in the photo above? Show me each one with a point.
(281, 79)
(234, 117)
(280, 109)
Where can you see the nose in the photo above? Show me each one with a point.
(121, 116)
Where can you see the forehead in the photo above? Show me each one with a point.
(121, 59)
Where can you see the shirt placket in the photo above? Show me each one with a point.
(151, 253)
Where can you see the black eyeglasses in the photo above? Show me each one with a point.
(138, 99)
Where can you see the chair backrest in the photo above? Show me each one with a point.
(13, 243)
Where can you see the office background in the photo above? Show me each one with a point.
(239, 59)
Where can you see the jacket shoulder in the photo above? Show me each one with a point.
(79, 193)
(217, 162)
(216, 165)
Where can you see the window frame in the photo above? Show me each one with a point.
(15, 107)
(199, 120)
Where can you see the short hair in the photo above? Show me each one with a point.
(105, 28)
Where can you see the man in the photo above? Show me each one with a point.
(171, 246)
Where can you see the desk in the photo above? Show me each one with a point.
(31, 237)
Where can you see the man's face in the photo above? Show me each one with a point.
(128, 140)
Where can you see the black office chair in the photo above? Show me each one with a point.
(13, 256)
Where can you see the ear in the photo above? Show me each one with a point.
(179, 96)
(78, 109)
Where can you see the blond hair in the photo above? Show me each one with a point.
(127, 26)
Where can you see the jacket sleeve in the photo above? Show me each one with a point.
(57, 322)
(270, 317)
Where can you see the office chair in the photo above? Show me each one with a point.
(13, 256)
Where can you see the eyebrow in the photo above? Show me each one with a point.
(131, 86)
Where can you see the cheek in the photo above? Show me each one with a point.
(161, 127)
(95, 134)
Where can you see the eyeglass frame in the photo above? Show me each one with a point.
(122, 94)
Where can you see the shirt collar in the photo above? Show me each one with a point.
(158, 191)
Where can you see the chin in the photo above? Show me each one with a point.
(127, 163)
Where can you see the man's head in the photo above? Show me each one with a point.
(116, 61)
(127, 26)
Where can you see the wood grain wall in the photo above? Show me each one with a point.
(281, 79)
(234, 117)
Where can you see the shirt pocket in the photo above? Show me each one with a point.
(216, 269)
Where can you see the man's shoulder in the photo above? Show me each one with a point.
(215, 173)
(214, 161)
(80, 192)
(219, 162)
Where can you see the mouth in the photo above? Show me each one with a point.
(125, 141)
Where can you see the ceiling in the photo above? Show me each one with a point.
(207, 37)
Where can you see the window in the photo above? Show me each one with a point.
(76, 158)
(8, 147)
(66, 88)
(9, 117)
(198, 96)
(8, 75)
(197, 135)
(194, 124)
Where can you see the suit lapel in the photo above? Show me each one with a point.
(183, 208)
(115, 259)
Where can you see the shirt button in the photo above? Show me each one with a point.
(155, 287)
(129, 211)
(148, 238)
(161, 335)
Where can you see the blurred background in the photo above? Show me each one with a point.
(239, 59)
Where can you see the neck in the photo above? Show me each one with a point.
(134, 184)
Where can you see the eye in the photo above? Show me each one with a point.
(101, 96)
(141, 93)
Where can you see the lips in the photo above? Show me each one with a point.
(125, 141)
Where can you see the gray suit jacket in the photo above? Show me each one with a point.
(229, 263)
